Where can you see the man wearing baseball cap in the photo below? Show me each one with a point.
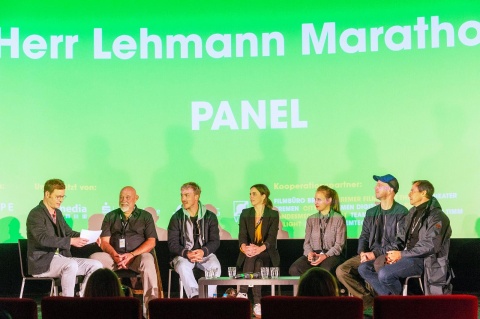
(379, 231)
(389, 179)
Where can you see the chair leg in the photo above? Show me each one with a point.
(181, 287)
(405, 288)
(405, 285)
(55, 291)
(52, 288)
(21, 289)
(421, 285)
(169, 282)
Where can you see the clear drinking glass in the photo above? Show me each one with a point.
(274, 272)
(208, 273)
(232, 272)
(264, 271)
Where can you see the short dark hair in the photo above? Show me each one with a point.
(103, 283)
(317, 282)
(53, 184)
(424, 185)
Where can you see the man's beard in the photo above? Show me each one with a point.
(124, 208)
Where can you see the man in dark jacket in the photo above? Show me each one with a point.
(379, 232)
(49, 239)
(193, 238)
(423, 242)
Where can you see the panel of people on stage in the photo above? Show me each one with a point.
(395, 243)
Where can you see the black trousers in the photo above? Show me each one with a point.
(253, 264)
(301, 265)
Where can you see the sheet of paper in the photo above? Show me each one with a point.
(91, 235)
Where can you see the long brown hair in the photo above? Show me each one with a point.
(331, 193)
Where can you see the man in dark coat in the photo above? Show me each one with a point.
(49, 240)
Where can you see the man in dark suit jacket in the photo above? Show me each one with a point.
(49, 240)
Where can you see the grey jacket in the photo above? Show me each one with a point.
(334, 238)
(433, 246)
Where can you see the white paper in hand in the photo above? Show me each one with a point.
(91, 235)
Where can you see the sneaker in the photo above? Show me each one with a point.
(257, 310)
(242, 295)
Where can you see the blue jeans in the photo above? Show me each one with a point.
(387, 280)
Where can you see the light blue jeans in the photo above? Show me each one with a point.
(184, 268)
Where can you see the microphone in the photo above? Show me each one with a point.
(248, 275)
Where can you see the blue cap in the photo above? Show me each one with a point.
(389, 179)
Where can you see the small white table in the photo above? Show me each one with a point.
(203, 283)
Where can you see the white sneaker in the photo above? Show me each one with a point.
(242, 295)
(257, 310)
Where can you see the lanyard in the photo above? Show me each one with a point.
(323, 229)
(259, 222)
(124, 226)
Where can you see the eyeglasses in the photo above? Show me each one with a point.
(61, 197)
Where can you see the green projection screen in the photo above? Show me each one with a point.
(293, 95)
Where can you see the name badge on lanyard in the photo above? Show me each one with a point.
(121, 241)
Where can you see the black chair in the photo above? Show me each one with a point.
(405, 284)
(56, 282)
(22, 251)
(129, 275)
(136, 285)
